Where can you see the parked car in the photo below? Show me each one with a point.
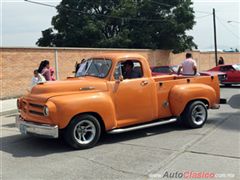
(221, 75)
(175, 67)
(163, 70)
(168, 70)
(101, 98)
(232, 72)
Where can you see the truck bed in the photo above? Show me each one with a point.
(164, 84)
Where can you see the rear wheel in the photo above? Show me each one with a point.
(83, 132)
(195, 114)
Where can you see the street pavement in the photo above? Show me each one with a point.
(152, 153)
(8, 106)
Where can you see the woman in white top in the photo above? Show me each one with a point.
(37, 78)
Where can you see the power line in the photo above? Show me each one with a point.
(232, 21)
(203, 12)
(219, 20)
(108, 16)
(100, 15)
(42, 4)
(229, 21)
(199, 17)
(162, 4)
(168, 5)
(224, 19)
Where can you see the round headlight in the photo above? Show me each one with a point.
(45, 111)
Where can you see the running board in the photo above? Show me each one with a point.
(142, 126)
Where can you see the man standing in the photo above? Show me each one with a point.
(189, 66)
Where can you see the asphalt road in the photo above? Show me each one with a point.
(152, 153)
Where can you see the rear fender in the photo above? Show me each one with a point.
(181, 95)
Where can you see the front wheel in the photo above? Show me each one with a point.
(195, 114)
(83, 132)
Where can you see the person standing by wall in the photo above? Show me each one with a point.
(52, 74)
(220, 61)
(188, 66)
(44, 70)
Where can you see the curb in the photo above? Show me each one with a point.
(4, 113)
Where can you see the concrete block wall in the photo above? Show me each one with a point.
(17, 64)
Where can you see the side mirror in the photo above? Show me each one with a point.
(117, 83)
(120, 78)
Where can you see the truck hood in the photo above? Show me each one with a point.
(42, 92)
(211, 73)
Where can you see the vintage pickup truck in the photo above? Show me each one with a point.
(114, 93)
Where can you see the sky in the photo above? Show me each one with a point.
(22, 23)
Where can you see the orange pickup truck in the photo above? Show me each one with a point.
(114, 93)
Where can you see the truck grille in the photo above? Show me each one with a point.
(36, 112)
(32, 108)
(36, 109)
(36, 105)
(24, 106)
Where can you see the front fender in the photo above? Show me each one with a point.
(181, 95)
(71, 105)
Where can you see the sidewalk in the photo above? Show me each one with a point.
(8, 106)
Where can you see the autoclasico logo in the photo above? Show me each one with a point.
(192, 175)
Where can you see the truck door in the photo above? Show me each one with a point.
(133, 94)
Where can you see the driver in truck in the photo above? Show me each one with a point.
(128, 71)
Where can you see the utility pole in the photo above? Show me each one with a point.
(56, 63)
(215, 37)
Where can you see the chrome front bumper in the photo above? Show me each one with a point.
(37, 129)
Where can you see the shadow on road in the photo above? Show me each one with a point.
(152, 131)
(235, 126)
(26, 146)
(232, 122)
(234, 101)
(230, 87)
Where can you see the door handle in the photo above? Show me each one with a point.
(144, 83)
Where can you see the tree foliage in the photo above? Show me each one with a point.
(158, 24)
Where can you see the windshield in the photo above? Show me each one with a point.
(94, 67)
(175, 68)
(237, 67)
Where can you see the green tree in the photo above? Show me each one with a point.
(158, 24)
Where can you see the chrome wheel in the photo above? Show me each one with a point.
(84, 132)
(199, 114)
